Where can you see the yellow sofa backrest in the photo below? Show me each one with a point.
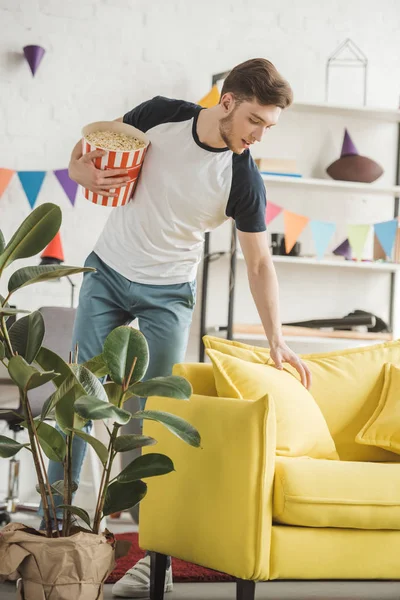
(347, 385)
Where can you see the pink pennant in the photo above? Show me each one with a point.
(272, 212)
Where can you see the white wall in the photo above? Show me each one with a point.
(105, 56)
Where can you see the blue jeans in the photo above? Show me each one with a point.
(108, 300)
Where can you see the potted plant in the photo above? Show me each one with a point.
(76, 560)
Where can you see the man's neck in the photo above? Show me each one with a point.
(208, 128)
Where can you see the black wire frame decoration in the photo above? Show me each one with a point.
(357, 59)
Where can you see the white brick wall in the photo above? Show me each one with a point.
(105, 56)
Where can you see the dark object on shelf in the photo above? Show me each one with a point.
(380, 325)
(353, 167)
(366, 320)
(278, 246)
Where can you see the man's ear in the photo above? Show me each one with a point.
(227, 102)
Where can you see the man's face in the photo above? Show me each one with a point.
(246, 123)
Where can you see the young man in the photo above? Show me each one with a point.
(198, 173)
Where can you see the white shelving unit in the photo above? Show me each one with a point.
(388, 115)
(383, 115)
(333, 185)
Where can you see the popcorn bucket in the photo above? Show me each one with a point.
(131, 160)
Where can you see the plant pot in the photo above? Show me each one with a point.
(56, 568)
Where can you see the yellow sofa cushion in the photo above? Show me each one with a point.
(383, 428)
(301, 428)
(326, 493)
(347, 386)
(255, 354)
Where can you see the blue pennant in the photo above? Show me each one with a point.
(31, 182)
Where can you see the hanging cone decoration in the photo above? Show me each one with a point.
(34, 55)
(53, 253)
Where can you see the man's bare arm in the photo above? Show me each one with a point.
(83, 170)
(265, 291)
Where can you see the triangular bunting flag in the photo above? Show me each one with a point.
(322, 233)
(69, 186)
(272, 211)
(5, 178)
(357, 237)
(294, 225)
(31, 182)
(344, 249)
(386, 234)
(211, 99)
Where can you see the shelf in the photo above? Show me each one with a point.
(385, 267)
(307, 334)
(332, 185)
(390, 115)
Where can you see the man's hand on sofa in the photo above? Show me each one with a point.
(280, 353)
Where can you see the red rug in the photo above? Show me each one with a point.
(183, 572)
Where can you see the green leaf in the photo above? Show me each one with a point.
(80, 382)
(121, 347)
(97, 366)
(26, 335)
(58, 487)
(9, 447)
(50, 361)
(90, 407)
(2, 242)
(2, 351)
(30, 275)
(79, 512)
(122, 496)
(148, 465)
(25, 376)
(52, 442)
(89, 382)
(178, 426)
(131, 441)
(7, 311)
(114, 391)
(172, 386)
(98, 446)
(33, 235)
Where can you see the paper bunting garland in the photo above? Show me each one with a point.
(5, 178)
(357, 237)
(31, 182)
(322, 234)
(272, 211)
(294, 225)
(70, 187)
(386, 233)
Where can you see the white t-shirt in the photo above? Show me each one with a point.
(184, 190)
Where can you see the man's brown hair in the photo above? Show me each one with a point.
(258, 79)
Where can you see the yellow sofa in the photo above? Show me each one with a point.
(235, 505)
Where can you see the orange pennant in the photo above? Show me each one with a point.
(5, 177)
(294, 225)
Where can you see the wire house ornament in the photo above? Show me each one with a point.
(347, 55)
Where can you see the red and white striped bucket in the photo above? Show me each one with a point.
(131, 160)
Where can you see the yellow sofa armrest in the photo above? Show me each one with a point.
(200, 375)
(215, 509)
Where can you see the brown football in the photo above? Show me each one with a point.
(355, 168)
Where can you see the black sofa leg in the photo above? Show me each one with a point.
(245, 589)
(158, 567)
